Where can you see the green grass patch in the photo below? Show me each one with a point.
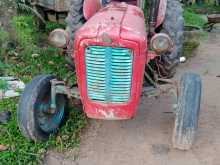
(28, 59)
(191, 18)
(3, 85)
(50, 26)
(24, 152)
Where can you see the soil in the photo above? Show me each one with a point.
(146, 139)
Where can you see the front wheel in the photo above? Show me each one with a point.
(35, 119)
(187, 112)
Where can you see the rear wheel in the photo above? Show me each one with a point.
(34, 117)
(187, 112)
(173, 25)
(74, 21)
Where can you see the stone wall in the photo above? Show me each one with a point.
(7, 11)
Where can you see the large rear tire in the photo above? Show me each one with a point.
(173, 25)
(187, 112)
(74, 21)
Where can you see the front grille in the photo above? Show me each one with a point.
(108, 74)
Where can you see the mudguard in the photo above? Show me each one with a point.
(90, 7)
(161, 12)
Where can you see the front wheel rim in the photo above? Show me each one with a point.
(50, 122)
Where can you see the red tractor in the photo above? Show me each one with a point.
(119, 51)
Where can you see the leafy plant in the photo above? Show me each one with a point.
(25, 8)
(3, 85)
(192, 18)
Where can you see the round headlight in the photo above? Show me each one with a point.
(161, 43)
(59, 38)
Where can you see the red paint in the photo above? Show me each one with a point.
(161, 12)
(126, 29)
(90, 7)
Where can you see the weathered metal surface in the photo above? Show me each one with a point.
(118, 25)
(108, 73)
(59, 87)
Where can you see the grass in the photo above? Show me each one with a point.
(191, 18)
(25, 61)
(3, 85)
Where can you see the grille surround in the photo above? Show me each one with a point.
(109, 74)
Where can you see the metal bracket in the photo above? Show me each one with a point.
(59, 87)
(170, 88)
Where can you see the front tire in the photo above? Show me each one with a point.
(187, 112)
(33, 118)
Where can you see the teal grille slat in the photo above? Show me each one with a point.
(109, 74)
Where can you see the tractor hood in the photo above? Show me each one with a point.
(110, 56)
(114, 22)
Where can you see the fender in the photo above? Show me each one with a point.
(161, 12)
(90, 7)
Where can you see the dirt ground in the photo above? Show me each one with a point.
(146, 139)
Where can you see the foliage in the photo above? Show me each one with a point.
(50, 26)
(192, 18)
(192, 42)
(24, 152)
(25, 29)
(32, 59)
(2, 67)
(28, 59)
(24, 7)
(3, 85)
